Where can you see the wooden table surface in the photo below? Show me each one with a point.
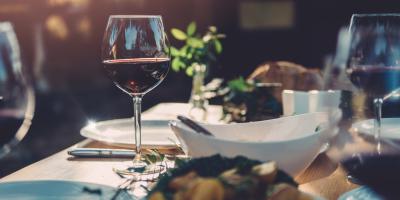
(323, 177)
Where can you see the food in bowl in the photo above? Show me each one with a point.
(221, 178)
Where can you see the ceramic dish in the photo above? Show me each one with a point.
(55, 190)
(293, 142)
(120, 132)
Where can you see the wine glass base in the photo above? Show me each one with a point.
(140, 170)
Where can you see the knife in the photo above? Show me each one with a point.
(194, 125)
(101, 153)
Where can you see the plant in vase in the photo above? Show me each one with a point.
(194, 57)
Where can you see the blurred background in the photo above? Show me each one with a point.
(60, 43)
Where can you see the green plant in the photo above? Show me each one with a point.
(241, 85)
(197, 49)
(247, 101)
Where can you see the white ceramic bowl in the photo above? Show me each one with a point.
(292, 142)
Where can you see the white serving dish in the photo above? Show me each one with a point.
(120, 132)
(292, 142)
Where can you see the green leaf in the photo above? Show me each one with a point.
(189, 71)
(189, 55)
(218, 46)
(162, 157)
(150, 158)
(183, 51)
(178, 34)
(191, 28)
(153, 156)
(174, 51)
(177, 64)
(240, 84)
(195, 43)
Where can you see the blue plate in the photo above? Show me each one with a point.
(361, 193)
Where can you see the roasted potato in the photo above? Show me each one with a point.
(157, 196)
(266, 172)
(182, 181)
(208, 189)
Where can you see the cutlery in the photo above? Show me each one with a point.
(194, 125)
(101, 153)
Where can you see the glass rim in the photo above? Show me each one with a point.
(134, 16)
(374, 14)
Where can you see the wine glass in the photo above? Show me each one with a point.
(135, 55)
(368, 57)
(17, 101)
(374, 59)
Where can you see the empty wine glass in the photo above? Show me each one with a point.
(17, 100)
(135, 55)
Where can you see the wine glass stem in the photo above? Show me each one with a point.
(137, 107)
(377, 125)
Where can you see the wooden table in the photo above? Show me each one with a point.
(323, 177)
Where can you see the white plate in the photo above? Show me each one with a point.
(55, 190)
(361, 193)
(120, 132)
(390, 128)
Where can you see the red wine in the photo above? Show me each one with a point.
(9, 125)
(137, 75)
(376, 81)
(380, 172)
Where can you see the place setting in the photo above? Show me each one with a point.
(277, 131)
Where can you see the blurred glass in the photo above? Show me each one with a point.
(368, 57)
(374, 59)
(17, 100)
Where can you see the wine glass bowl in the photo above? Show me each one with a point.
(135, 52)
(136, 57)
(374, 60)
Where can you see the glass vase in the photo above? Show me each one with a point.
(198, 101)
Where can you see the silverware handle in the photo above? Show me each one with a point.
(101, 153)
(193, 125)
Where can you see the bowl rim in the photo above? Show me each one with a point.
(174, 124)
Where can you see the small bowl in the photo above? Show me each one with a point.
(293, 142)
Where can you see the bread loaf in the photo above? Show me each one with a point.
(292, 77)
